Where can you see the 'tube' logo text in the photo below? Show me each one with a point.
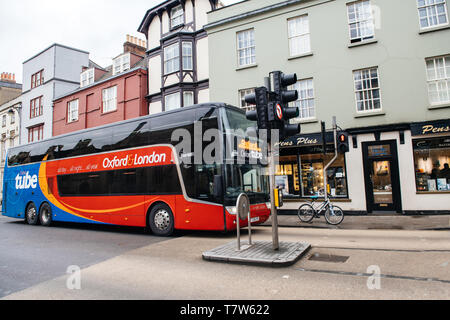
(26, 181)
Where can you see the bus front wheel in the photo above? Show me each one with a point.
(161, 220)
(32, 216)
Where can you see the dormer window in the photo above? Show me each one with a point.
(87, 78)
(121, 63)
(176, 17)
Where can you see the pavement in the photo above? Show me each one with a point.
(340, 265)
(377, 222)
(343, 263)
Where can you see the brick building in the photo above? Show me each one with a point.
(105, 95)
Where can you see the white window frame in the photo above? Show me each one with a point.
(187, 55)
(306, 102)
(12, 136)
(172, 58)
(363, 20)
(174, 97)
(438, 77)
(367, 90)
(176, 17)
(4, 120)
(109, 99)
(244, 105)
(299, 36)
(427, 7)
(122, 63)
(72, 110)
(188, 98)
(246, 47)
(87, 78)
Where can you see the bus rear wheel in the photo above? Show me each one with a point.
(45, 215)
(161, 220)
(32, 216)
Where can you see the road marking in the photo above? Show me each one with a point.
(388, 250)
(387, 276)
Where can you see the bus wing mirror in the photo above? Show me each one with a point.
(218, 186)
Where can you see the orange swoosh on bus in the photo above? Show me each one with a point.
(50, 197)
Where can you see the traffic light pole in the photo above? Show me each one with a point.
(325, 177)
(274, 213)
(273, 113)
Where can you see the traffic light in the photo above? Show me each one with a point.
(282, 96)
(342, 142)
(260, 99)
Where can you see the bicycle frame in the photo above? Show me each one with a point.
(321, 207)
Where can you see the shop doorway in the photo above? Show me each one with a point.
(382, 177)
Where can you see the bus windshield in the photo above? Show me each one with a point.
(234, 120)
(251, 179)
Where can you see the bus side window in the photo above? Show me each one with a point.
(130, 135)
(163, 126)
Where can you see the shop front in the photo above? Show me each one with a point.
(392, 169)
(300, 172)
(431, 147)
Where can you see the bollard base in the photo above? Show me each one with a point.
(260, 253)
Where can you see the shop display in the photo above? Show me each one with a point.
(431, 160)
(442, 184)
(305, 174)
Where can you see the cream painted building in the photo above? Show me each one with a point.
(381, 66)
(177, 53)
(9, 131)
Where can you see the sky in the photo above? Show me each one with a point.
(96, 26)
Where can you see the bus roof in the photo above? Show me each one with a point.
(216, 105)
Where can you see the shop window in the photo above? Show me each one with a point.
(431, 162)
(287, 177)
(302, 176)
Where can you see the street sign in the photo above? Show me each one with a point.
(279, 112)
(243, 212)
(243, 206)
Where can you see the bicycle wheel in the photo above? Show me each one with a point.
(334, 215)
(306, 212)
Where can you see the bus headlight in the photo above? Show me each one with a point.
(231, 210)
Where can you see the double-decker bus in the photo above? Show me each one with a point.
(131, 173)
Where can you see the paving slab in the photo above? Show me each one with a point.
(260, 253)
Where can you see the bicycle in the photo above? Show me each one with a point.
(333, 214)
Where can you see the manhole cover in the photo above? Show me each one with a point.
(322, 257)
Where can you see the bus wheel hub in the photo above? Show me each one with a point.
(162, 219)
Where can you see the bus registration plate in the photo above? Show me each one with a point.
(254, 219)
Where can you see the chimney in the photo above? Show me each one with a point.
(135, 45)
(8, 77)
